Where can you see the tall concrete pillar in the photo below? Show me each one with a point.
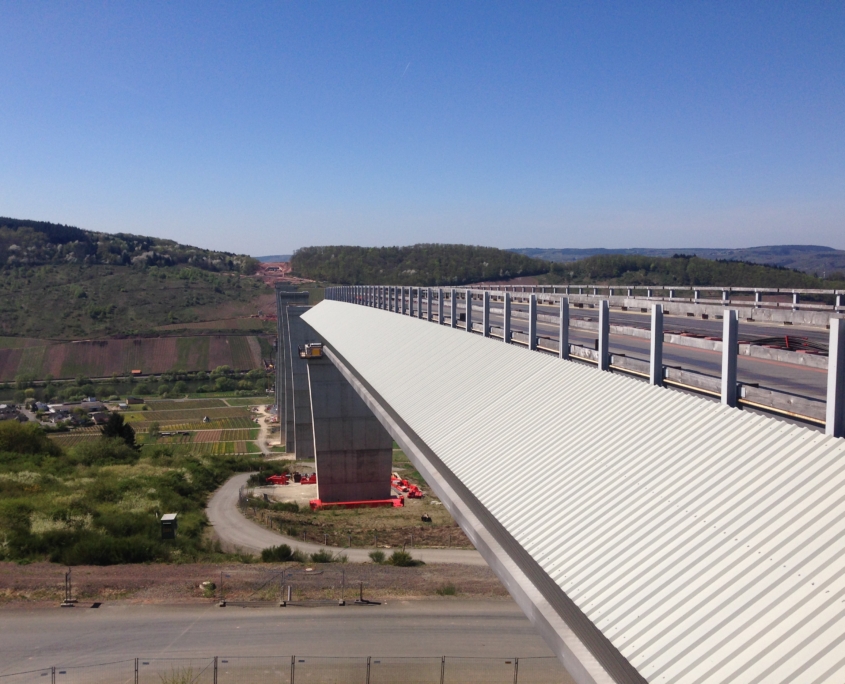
(655, 375)
(468, 295)
(604, 335)
(429, 314)
(354, 452)
(453, 308)
(730, 343)
(284, 380)
(532, 321)
(299, 334)
(506, 318)
(563, 329)
(835, 412)
(440, 306)
(485, 315)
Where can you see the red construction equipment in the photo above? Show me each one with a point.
(278, 479)
(309, 479)
(405, 487)
(396, 502)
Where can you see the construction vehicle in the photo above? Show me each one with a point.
(312, 350)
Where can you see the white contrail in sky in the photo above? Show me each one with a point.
(406, 70)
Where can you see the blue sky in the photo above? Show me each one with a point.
(264, 127)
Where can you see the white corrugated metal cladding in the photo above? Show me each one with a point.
(707, 543)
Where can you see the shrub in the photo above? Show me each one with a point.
(447, 590)
(116, 427)
(103, 451)
(277, 554)
(26, 439)
(328, 557)
(403, 559)
(377, 557)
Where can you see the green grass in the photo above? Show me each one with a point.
(250, 401)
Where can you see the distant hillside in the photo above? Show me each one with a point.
(63, 282)
(416, 265)
(814, 259)
(635, 269)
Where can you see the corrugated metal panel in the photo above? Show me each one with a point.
(707, 543)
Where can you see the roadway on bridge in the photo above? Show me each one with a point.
(236, 532)
(31, 639)
(775, 375)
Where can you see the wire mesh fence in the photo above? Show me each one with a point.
(303, 670)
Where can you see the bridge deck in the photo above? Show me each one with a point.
(704, 543)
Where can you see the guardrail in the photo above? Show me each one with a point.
(311, 669)
(430, 303)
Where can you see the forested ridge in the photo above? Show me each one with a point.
(430, 264)
(683, 270)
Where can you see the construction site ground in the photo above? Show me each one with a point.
(384, 527)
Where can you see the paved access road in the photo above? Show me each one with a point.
(30, 639)
(237, 532)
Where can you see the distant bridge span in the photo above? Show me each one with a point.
(650, 535)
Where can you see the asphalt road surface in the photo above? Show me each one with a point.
(774, 375)
(31, 639)
(237, 532)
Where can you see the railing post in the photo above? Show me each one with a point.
(532, 322)
(442, 669)
(839, 302)
(758, 299)
(53, 675)
(506, 318)
(604, 335)
(215, 669)
(563, 329)
(469, 310)
(515, 670)
(730, 341)
(419, 302)
(403, 309)
(440, 306)
(136, 671)
(696, 295)
(453, 308)
(655, 376)
(485, 315)
(292, 669)
(368, 669)
(428, 313)
(726, 297)
(835, 412)
(794, 301)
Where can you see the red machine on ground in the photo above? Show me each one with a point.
(405, 487)
(278, 479)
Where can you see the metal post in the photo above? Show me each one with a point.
(469, 310)
(485, 316)
(696, 295)
(402, 305)
(429, 312)
(419, 302)
(515, 670)
(729, 351)
(215, 669)
(604, 335)
(563, 329)
(53, 675)
(726, 296)
(368, 669)
(453, 308)
(532, 322)
(506, 318)
(442, 669)
(839, 302)
(794, 301)
(292, 669)
(835, 415)
(655, 376)
(440, 306)
(136, 671)
(758, 299)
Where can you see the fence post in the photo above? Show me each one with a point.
(453, 308)
(729, 349)
(655, 376)
(368, 669)
(835, 413)
(515, 670)
(292, 669)
(563, 329)
(532, 322)
(215, 669)
(136, 671)
(440, 306)
(604, 335)
(442, 669)
(468, 298)
(53, 675)
(506, 318)
(485, 316)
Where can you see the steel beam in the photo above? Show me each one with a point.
(563, 329)
(730, 345)
(655, 375)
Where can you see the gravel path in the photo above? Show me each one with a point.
(236, 532)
